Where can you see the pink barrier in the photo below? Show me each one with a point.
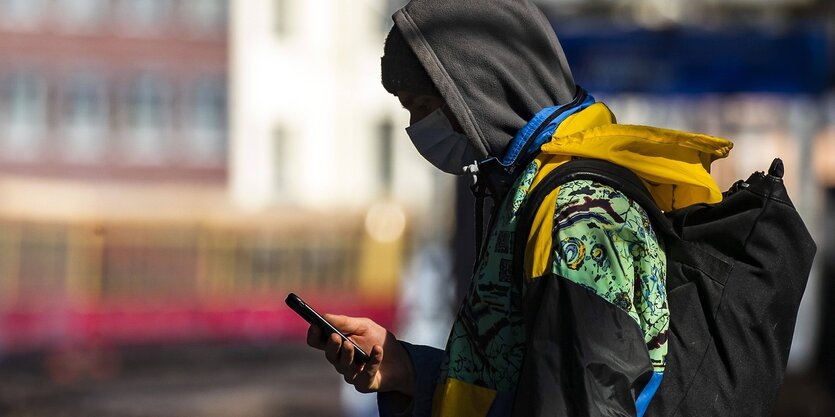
(27, 329)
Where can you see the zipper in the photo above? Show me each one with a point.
(581, 97)
(483, 235)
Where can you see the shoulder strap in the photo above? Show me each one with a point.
(597, 170)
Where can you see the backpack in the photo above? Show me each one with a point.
(736, 271)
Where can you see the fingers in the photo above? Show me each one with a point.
(346, 359)
(374, 361)
(345, 324)
(341, 355)
(365, 381)
(315, 339)
(334, 343)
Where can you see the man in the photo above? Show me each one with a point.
(581, 331)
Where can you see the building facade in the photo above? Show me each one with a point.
(111, 99)
(130, 210)
(311, 123)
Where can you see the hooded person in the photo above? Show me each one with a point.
(581, 329)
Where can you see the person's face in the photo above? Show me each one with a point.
(421, 105)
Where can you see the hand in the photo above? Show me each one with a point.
(395, 373)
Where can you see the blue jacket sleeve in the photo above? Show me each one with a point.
(426, 362)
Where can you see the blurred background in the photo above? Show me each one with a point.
(170, 169)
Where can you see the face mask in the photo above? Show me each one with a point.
(442, 146)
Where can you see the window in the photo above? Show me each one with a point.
(43, 261)
(281, 14)
(21, 13)
(82, 15)
(145, 16)
(385, 152)
(147, 119)
(85, 116)
(206, 17)
(149, 263)
(24, 114)
(206, 129)
(279, 160)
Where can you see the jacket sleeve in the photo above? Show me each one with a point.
(426, 362)
(596, 322)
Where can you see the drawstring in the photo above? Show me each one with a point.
(490, 179)
(479, 190)
(479, 222)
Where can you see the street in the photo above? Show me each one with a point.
(275, 381)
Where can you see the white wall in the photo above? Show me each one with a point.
(321, 82)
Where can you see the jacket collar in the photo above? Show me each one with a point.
(494, 176)
(674, 165)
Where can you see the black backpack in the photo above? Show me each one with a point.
(736, 272)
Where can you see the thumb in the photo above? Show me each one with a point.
(374, 361)
(366, 380)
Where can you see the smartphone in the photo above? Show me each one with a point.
(311, 316)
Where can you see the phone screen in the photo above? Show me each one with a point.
(314, 318)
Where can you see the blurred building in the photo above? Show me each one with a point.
(312, 124)
(112, 118)
(131, 211)
(110, 100)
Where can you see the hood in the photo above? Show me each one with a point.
(496, 63)
(674, 165)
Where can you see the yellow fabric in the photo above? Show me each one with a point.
(595, 115)
(538, 253)
(454, 398)
(674, 166)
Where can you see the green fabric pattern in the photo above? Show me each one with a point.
(606, 244)
(487, 341)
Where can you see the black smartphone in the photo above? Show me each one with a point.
(311, 316)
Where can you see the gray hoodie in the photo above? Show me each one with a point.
(495, 62)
